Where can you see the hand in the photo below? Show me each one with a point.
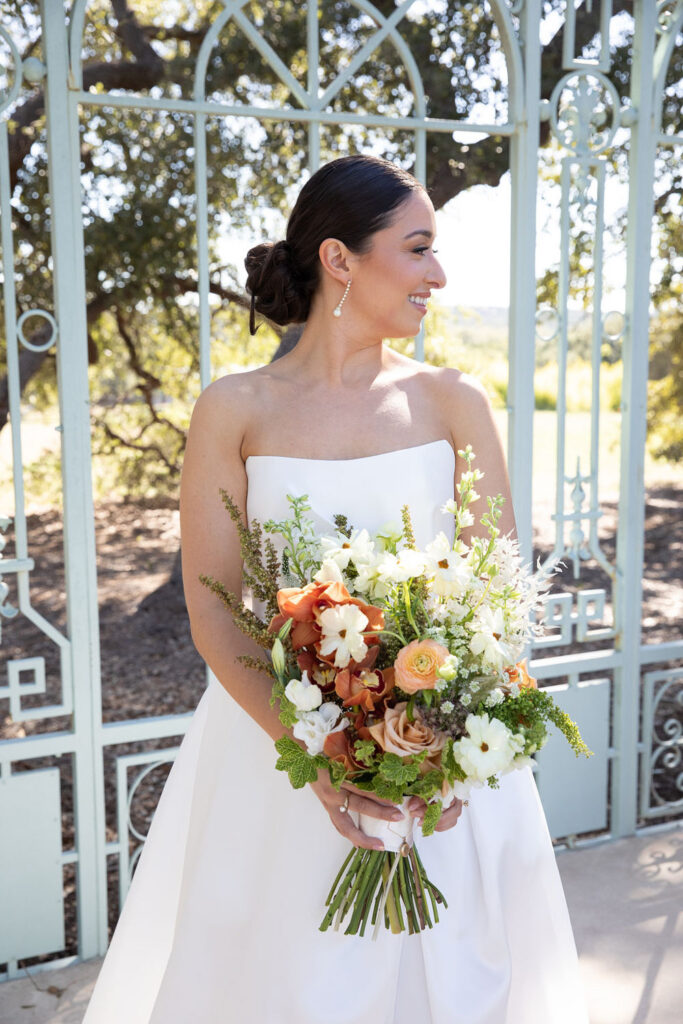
(359, 801)
(449, 817)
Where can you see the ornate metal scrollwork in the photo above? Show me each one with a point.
(662, 764)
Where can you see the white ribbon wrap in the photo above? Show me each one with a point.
(393, 833)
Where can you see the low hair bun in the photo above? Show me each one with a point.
(277, 290)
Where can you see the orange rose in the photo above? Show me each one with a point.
(396, 734)
(417, 663)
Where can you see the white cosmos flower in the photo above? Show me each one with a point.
(342, 550)
(411, 562)
(342, 632)
(487, 748)
(452, 575)
(329, 572)
(304, 694)
(487, 638)
(314, 727)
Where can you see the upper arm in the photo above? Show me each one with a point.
(213, 461)
(470, 418)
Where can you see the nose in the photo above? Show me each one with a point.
(436, 275)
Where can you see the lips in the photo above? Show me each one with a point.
(419, 300)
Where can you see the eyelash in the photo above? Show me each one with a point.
(425, 248)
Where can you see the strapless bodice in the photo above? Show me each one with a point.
(369, 491)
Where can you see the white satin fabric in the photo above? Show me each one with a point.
(221, 922)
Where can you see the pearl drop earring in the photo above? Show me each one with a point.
(337, 311)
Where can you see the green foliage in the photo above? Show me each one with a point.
(432, 817)
(299, 765)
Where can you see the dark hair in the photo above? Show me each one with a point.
(348, 199)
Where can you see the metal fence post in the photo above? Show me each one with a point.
(79, 534)
(633, 428)
(524, 173)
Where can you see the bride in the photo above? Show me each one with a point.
(221, 921)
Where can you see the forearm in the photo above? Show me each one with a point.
(220, 644)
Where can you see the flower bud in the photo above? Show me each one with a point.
(278, 657)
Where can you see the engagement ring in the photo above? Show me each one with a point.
(345, 806)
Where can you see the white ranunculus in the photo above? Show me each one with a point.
(329, 572)
(487, 748)
(314, 726)
(304, 694)
(342, 633)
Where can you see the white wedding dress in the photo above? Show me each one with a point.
(221, 922)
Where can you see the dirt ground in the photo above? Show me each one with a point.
(149, 664)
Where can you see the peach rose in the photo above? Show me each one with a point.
(397, 735)
(417, 663)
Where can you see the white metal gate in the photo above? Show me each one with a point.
(603, 688)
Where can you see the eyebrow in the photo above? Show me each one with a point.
(419, 231)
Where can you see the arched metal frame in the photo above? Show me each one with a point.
(585, 140)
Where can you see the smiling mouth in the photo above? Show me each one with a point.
(419, 301)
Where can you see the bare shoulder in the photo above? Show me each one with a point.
(225, 408)
(462, 400)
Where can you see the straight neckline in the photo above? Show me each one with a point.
(357, 458)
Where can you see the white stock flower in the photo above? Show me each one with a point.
(304, 694)
(329, 572)
(487, 748)
(342, 550)
(314, 727)
(450, 506)
(342, 633)
(388, 534)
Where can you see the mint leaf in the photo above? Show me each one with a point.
(431, 817)
(300, 766)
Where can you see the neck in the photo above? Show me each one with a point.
(336, 353)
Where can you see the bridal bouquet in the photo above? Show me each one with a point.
(398, 670)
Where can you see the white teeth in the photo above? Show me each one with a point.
(422, 303)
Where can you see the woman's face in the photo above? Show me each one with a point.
(391, 283)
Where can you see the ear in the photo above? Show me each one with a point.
(334, 258)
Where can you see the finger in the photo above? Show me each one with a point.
(344, 825)
(384, 811)
(367, 796)
(449, 817)
(416, 807)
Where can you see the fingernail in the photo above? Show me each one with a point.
(396, 816)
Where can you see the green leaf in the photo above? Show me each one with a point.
(387, 790)
(337, 773)
(431, 817)
(427, 785)
(300, 766)
(394, 769)
(365, 751)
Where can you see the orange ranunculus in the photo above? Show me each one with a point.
(518, 674)
(396, 734)
(364, 687)
(417, 663)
